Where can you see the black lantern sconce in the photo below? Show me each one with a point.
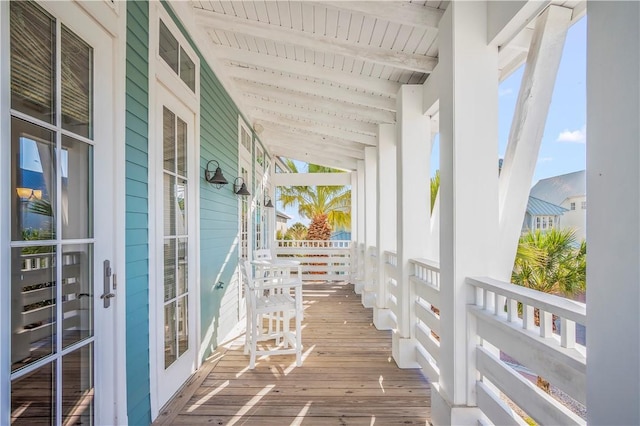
(267, 201)
(218, 180)
(240, 189)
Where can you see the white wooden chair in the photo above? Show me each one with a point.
(272, 295)
(262, 254)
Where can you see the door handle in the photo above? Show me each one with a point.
(107, 295)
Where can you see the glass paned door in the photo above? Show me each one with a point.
(176, 336)
(54, 245)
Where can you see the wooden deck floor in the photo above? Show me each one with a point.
(347, 378)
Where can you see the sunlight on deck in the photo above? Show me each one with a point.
(347, 376)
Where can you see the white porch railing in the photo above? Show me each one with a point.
(425, 281)
(319, 260)
(391, 275)
(505, 321)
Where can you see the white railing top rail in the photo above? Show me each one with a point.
(313, 243)
(565, 308)
(426, 263)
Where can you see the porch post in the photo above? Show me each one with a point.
(468, 197)
(386, 215)
(354, 227)
(613, 216)
(370, 177)
(413, 210)
(359, 284)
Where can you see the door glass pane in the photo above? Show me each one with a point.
(182, 148)
(169, 139)
(169, 269)
(77, 387)
(33, 397)
(33, 182)
(168, 47)
(33, 302)
(77, 293)
(183, 325)
(169, 200)
(77, 85)
(182, 266)
(170, 354)
(181, 207)
(77, 189)
(33, 47)
(187, 70)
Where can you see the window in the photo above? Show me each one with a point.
(260, 156)
(538, 222)
(573, 206)
(584, 205)
(245, 138)
(176, 57)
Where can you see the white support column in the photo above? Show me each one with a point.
(468, 198)
(354, 227)
(613, 216)
(386, 214)
(413, 209)
(359, 284)
(370, 187)
(527, 129)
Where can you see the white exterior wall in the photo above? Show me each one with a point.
(575, 219)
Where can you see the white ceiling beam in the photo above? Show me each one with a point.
(300, 84)
(318, 116)
(266, 120)
(331, 145)
(309, 157)
(505, 19)
(315, 102)
(404, 13)
(359, 82)
(318, 42)
(314, 149)
(311, 179)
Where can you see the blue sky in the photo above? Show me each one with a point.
(563, 143)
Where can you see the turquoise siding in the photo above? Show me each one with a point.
(218, 207)
(137, 213)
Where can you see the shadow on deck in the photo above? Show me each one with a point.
(347, 377)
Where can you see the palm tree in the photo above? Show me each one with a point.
(435, 186)
(297, 232)
(328, 207)
(550, 262)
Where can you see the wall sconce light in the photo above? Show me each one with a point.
(267, 201)
(240, 189)
(217, 179)
(29, 194)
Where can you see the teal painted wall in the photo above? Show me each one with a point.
(218, 207)
(137, 213)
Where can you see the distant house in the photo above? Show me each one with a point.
(541, 215)
(341, 235)
(567, 191)
(281, 221)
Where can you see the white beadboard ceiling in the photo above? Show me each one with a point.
(315, 78)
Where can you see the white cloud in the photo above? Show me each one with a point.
(579, 136)
(505, 92)
(545, 159)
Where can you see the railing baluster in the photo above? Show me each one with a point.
(512, 310)
(567, 333)
(528, 317)
(546, 324)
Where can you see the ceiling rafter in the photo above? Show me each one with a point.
(299, 84)
(317, 116)
(359, 82)
(405, 13)
(347, 147)
(316, 158)
(267, 120)
(318, 42)
(313, 102)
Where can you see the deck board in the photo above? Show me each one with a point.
(348, 376)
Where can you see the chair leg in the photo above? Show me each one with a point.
(254, 346)
(247, 333)
(298, 340)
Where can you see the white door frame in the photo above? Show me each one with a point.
(97, 25)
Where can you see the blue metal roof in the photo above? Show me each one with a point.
(538, 207)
